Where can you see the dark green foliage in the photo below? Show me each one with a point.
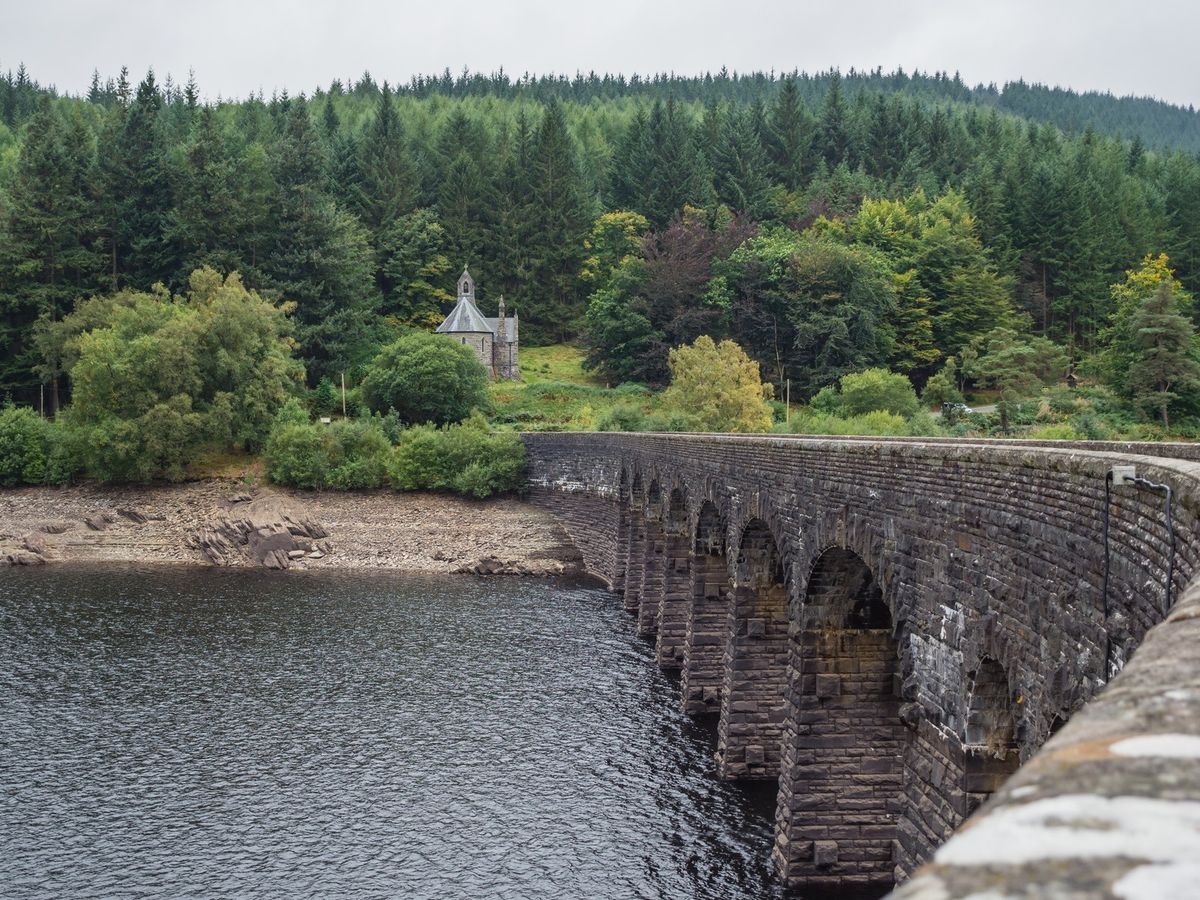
(426, 378)
(25, 446)
(1165, 373)
(871, 390)
(561, 217)
(360, 204)
(624, 417)
(466, 459)
(345, 455)
(157, 378)
(319, 256)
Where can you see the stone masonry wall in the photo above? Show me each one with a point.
(978, 552)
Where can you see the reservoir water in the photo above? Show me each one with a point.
(204, 732)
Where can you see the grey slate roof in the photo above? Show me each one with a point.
(465, 319)
(510, 327)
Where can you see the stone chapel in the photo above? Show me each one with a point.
(495, 341)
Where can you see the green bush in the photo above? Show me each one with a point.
(466, 459)
(623, 417)
(875, 423)
(325, 398)
(344, 455)
(668, 420)
(877, 389)
(299, 455)
(360, 457)
(1060, 431)
(826, 401)
(25, 446)
(426, 378)
(157, 379)
(939, 389)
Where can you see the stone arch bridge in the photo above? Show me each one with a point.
(888, 629)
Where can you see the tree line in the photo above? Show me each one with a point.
(827, 224)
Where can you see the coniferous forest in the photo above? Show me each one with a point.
(826, 223)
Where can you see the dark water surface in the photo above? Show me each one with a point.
(199, 732)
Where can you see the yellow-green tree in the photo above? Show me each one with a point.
(616, 236)
(1119, 338)
(717, 387)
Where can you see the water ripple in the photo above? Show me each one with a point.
(200, 733)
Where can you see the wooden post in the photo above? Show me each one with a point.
(343, 395)
(787, 403)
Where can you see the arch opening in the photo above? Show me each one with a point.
(653, 563)
(991, 752)
(750, 732)
(621, 561)
(671, 626)
(842, 782)
(635, 546)
(707, 629)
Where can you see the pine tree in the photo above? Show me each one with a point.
(740, 174)
(833, 136)
(205, 223)
(1164, 373)
(319, 257)
(674, 178)
(559, 224)
(633, 159)
(790, 139)
(462, 205)
(51, 242)
(387, 189)
(142, 190)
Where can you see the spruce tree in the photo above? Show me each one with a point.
(387, 188)
(560, 221)
(790, 137)
(50, 251)
(142, 192)
(319, 257)
(1164, 373)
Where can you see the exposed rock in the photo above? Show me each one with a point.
(269, 530)
(36, 543)
(23, 558)
(212, 522)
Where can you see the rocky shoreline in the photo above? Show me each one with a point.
(222, 523)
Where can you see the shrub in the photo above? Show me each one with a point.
(344, 455)
(939, 389)
(1060, 431)
(669, 420)
(360, 457)
(324, 397)
(877, 389)
(25, 446)
(718, 387)
(299, 455)
(156, 378)
(826, 401)
(467, 459)
(426, 378)
(623, 417)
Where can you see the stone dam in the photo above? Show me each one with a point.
(973, 669)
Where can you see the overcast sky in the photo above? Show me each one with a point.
(239, 46)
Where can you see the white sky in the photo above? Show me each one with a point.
(239, 46)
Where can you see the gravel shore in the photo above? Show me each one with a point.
(221, 522)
